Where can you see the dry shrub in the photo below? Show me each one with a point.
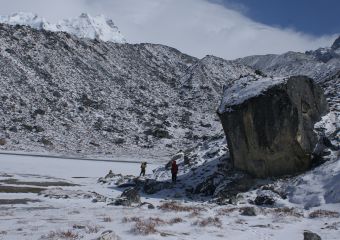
(240, 221)
(144, 227)
(148, 226)
(286, 211)
(131, 219)
(210, 221)
(92, 229)
(107, 219)
(174, 206)
(176, 220)
(324, 213)
(226, 211)
(61, 235)
(157, 221)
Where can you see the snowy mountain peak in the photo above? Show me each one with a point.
(85, 26)
(27, 19)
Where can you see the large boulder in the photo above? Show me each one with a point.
(269, 123)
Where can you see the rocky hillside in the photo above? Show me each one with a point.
(318, 64)
(64, 94)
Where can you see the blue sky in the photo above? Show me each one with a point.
(316, 17)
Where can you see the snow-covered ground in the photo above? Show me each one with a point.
(53, 216)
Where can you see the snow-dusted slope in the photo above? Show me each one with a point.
(62, 93)
(318, 64)
(84, 26)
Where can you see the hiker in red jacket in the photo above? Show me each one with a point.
(174, 170)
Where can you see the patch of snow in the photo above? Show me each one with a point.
(245, 88)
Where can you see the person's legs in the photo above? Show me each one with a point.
(143, 173)
(173, 177)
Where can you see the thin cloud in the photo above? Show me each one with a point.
(196, 27)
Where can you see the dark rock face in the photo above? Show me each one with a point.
(264, 200)
(307, 235)
(270, 133)
(248, 211)
(336, 44)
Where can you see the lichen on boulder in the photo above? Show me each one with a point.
(269, 123)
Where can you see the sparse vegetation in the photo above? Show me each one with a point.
(177, 207)
(324, 213)
(176, 220)
(107, 219)
(148, 226)
(57, 235)
(144, 227)
(92, 228)
(210, 221)
(286, 211)
(226, 211)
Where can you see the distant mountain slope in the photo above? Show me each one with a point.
(318, 64)
(84, 26)
(67, 94)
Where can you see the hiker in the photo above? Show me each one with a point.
(174, 170)
(142, 169)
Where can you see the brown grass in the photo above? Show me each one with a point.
(226, 211)
(324, 214)
(175, 220)
(131, 219)
(61, 235)
(144, 228)
(177, 207)
(148, 226)
(210, 221)
(286, 211)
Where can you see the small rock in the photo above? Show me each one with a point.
(108, 235)
(132, 195)
(13, 129)
(151, 206)
(248, 211)
(2, 141)
(128, 197)
(264, 200)
(152, 186)
(308, 235)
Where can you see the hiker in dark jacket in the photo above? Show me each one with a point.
(174, 170)
(142, 169)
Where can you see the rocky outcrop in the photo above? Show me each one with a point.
(307, 235)
(269, 123)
